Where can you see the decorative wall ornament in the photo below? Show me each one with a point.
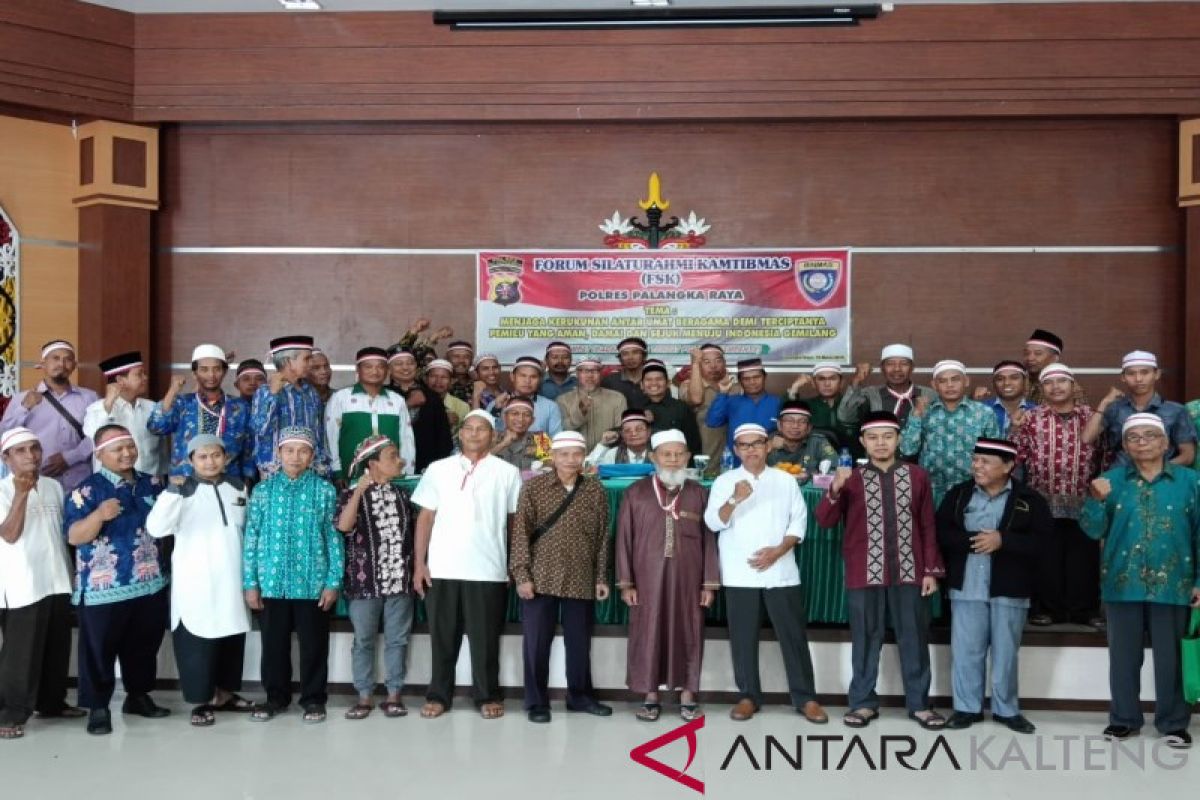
(630, 233)
(10, 263)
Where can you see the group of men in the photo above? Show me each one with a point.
(1001, 497)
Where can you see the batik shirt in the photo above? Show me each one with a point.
(190, 416)
(295, 405)
(379, 550)
(1151, 532)
(123, 562)
(1002, 417)
(1058, 464)
(291, 550)
(943, 441)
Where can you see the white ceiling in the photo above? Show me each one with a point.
(178, 6)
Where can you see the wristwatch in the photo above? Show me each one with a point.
(732, 501)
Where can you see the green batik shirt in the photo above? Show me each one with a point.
(942, 441)
(1150, 532)
(291, 550)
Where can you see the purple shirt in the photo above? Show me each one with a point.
(55, 433)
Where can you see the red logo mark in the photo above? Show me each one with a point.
(641, 754)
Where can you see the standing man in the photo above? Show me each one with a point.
(1147, 513)
(941, 435)
(120, 583)
(991, 531)
(760, 517)
(1041, 349)
(250, 375)
(827, 381)
(526, 375)
(668, 574)
(709, 377)
(559, 563)
(208, 410)
(892, 565)
(292, 565)
(631, 352)
(460, 353)
(205, 512)
(368, 408)
(467, 505)
(558, 371)
(376, 518)
(124, 404)
(628, 445)
(1010, 384)
(1060, 465)
(1140, 374)
(898, 395)
(320, 374)
(54, 411)
(288, 401)
(589, 408)
(430, 423)
(439, 375)
(35, 590)
(753, 405)
(797, 442)
(667, 412)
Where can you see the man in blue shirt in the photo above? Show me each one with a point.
(1010, 382)
(288, 400)
(526, 374)
(559, 379)
(752, 405)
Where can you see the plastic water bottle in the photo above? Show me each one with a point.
(727, 460)
(845, 459)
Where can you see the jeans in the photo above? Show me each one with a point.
(397, 613)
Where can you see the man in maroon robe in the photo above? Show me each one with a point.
(668, 573)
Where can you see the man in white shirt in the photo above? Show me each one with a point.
(206, 513)
(460, 568)
(124, 404)
(759, 516)
(35, 590)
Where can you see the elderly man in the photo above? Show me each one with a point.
(526, 375)
(120, 583)
(760, 517)
(991, 530)
(467, 504)
(1147, 513)
(208, 410)
(292, 564)
(941, 434)
(519, 445)
(559, 564)
(125, 404)
(439, 375)
(54, 411)
(320, 374)
(1140, 374)
(250, 375)
(753, 405)
(708, 378)
(288, 401)
(797, 442)
(366, 409)
(430, 424)
(1059, 465)
(559, 379)
(206, 514)
(589, 408)
(632, 353)
(898, 395)
(1010, 384)
(827, 382)
(892, 564)
(460, 353)
(628, 445)
(668, 574)
(666, 412)
(35, 590)
(1042, 348)
(376, 518)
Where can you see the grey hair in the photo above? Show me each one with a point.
(283, 357)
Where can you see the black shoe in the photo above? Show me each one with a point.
(1119, 732)
(1178, 740)
(1041, 620)
(961, 720)
(593, 708)
(1099, 623)
(143, 706)
(1017, 724)
(539, 714)
(99, 722)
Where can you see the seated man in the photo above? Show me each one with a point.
(629, 446)
(519, 445)
(797, 442)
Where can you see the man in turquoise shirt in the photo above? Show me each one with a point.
(1148, 515)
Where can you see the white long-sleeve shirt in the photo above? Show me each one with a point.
(152, 452)
(773, 511)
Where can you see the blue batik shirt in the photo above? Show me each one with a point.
(190, 416)
(296, 405)
(1002, 418)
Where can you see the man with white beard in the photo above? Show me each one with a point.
(668, 573)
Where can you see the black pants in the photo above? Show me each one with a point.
(277, 621)
(1127, 625)
(206, 665)
(34, 658)
(130, 632)
(868, 610)
(477, 609)
(538, 619)
(1069, 577)
(788, 611)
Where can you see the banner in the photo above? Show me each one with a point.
(785, 306)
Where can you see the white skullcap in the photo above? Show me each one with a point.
(208, 351)
(1055, 370)
(16, 436)
(896, 351)
(671, 436)
(1139, 358)
(481, 414)
(818, 369)
(440, 363)
(1143, 420)
(751, 428)
(949, 365)
(568, 439)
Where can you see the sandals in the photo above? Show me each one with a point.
(649, 712)
(433, 709)
(933, 721)
(203, 716)
(859, 717)
(13, 731)
(393, 708)
(313, 714)
(491, 710)
(359, 711)
(690, 711)
(235, 704)
(264, 712)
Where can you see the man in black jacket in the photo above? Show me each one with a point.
(990, 530)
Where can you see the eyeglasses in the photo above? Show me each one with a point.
(752, 445)
(1143, 438)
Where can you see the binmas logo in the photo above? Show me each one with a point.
(687, 731)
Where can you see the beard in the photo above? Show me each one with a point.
(671, 478)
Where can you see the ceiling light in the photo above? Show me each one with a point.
(650, 3)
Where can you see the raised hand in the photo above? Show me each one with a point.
(1101, 488)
